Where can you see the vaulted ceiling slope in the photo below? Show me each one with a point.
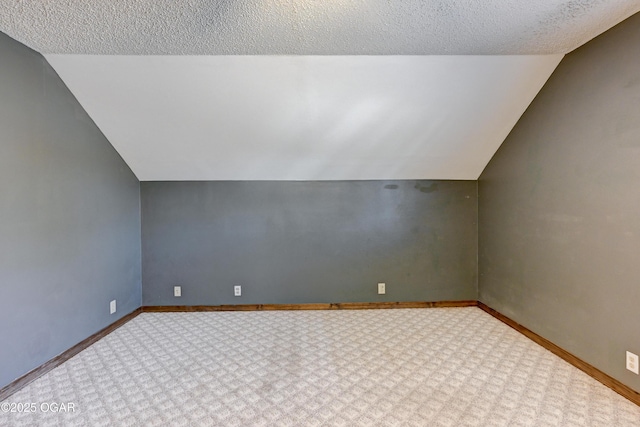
(307, 89)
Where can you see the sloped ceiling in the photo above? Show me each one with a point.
(305, 117)
(306, 89)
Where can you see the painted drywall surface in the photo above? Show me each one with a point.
(559, 208)
(69, 218)
(307, 242)
(305, 118)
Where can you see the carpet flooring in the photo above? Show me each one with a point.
(404, 367)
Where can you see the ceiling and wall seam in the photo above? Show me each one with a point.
(301, 90)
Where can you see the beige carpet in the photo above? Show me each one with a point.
(412, 367)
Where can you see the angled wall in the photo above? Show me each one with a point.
(309, 242)
(559, 207)
(69, 218)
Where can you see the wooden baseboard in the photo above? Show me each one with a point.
(32, 375)
(317, 306)
(585, 367)
(590, 370)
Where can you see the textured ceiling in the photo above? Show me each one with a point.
(307, 89)
(309, 27)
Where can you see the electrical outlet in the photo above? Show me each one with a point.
(112, 307)
(632, 362)
(237, 291)
(382, 288)
(177, 291)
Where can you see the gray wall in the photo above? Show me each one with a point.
(306, 242)
(559, 208)
(69, 218)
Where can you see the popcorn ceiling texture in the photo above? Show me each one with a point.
(314, 122)
(309, 27)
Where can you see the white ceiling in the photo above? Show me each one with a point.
(334, 89)
(310, 27)
(305, 117)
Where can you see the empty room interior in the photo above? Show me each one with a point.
(304, 213)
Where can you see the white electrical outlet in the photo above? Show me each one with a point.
(112, 307)
(382, 288)
(177, 291)
(237, 291)
(632, 362)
